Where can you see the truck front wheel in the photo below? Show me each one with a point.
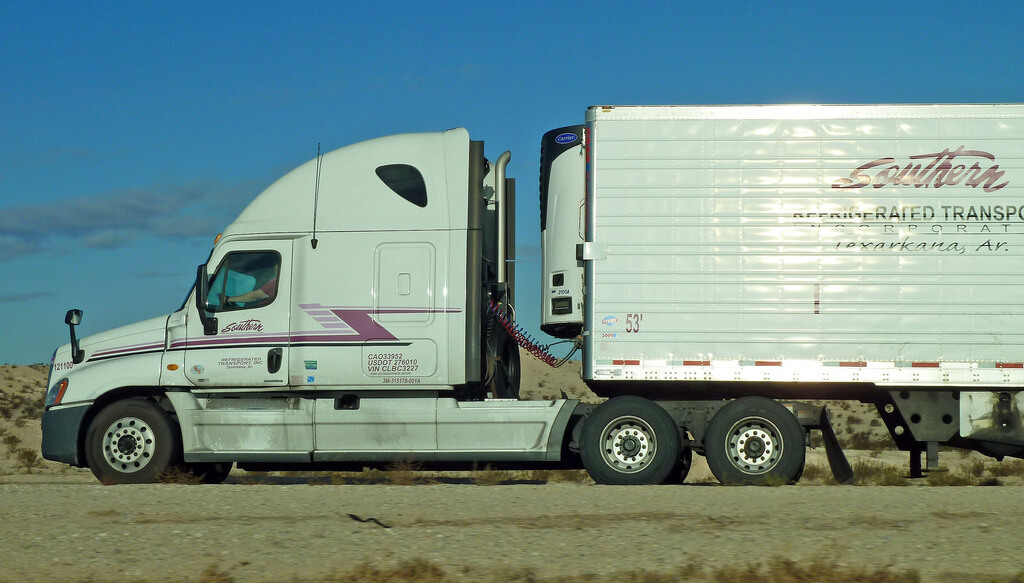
(130, 442)
(755, 441)
(630, 440)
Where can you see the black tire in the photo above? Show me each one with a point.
(755, 441)
(507, 369)
(131, 442)
(211, 473)
(629, 440)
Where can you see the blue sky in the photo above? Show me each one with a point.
(132, 133)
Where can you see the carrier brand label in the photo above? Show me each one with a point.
(566, 138)
(939, 169)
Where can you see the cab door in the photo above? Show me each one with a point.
(249, 296)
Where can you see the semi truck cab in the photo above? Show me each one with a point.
(343, 316)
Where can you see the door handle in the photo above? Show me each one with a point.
(274, 360)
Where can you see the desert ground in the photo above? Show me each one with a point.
(960, 524)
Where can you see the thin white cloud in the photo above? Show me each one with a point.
(114, 219)
(23, 297)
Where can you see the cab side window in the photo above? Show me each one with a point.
(244, 280)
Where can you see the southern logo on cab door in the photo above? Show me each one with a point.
(251, 325)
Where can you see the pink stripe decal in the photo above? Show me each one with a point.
(129, 349)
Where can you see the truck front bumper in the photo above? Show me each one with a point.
(61, 428)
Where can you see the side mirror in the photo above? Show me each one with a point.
(72, 319)
(202, 293)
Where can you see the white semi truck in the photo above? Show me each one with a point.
(718, 265)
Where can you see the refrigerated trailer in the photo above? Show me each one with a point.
(723, 269)
(869, 252)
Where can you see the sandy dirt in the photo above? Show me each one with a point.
(57, 523)
(54, 530)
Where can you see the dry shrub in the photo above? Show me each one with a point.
(212, 574)
(406, 473)
(976, 468)
(179, 475)
(948, 478)
(417, 570)
(817, 473)
(865, 440)
(28, 459)
(778, 571)
(787, 571)
(874, 473)
(1007, 468)
(489, 477)
(12, 442)
(574, 476)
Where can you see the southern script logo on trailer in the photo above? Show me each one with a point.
(939, 169)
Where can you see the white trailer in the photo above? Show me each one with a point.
(868, 252)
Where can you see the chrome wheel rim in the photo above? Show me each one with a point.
(754, 445)
(128, 444)
(628, 444)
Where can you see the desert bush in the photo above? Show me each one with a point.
(866, 440)
(787, 571)
(405, 473)
(213, 574)
(817, 473)
(178, 475)
(976, 468)
(873, 473)
(490, 477)
(951, 478)
(28, 459)
(417, 570)
(1007, 468)
(12, 442)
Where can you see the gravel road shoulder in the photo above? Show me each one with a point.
(66, 528)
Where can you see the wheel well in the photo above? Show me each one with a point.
(154, 393)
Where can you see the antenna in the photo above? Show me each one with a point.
(316, 192)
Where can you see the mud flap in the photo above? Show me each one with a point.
(836, 458)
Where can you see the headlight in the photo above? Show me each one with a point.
(56, 393)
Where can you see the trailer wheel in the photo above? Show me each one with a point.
(630, 440)
(755, 441)
(130, 442)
